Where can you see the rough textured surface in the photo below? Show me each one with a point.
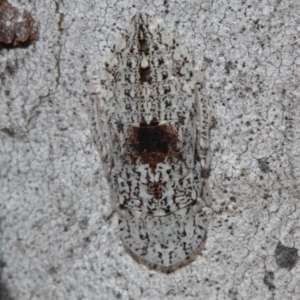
(55, 243)
(152, 129)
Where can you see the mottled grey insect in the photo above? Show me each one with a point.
(153, 135)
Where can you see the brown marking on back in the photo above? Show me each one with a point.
(153, 143)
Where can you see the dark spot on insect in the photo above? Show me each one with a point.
(120, 127)
(167, 210)
(127, 92)
(144, 237)
(155, 189)
(178, 71)
(154, 122)
(127, 78)
(106, 64)
(152, 143)
(182, 234)
(205, 173)
(143, 122)
(122, 206)
(129, 64)
(168, 103)
(155, 47)
(164, 75)
(181, 120)
(151, 139)
(160, 61)
(166, 89)
(145, 75)
(143, 45)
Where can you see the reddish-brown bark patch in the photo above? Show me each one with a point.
(16, 30)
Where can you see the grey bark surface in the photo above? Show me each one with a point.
(55, 241)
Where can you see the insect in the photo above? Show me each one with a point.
(153, 137)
